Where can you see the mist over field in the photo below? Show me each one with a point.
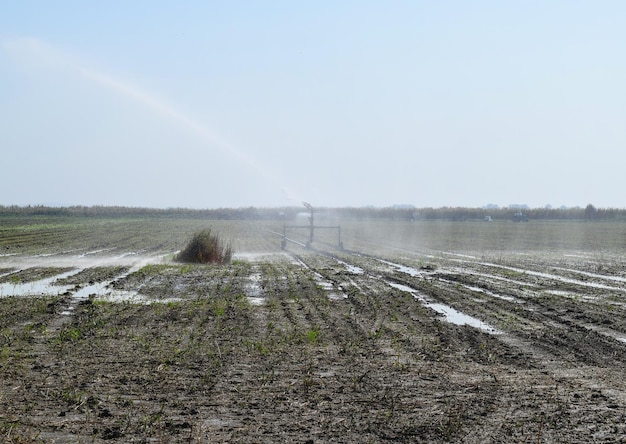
(339, 104)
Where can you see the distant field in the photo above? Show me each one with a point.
(425, 331)
(44, 234)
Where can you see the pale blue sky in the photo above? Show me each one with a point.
(342, 103)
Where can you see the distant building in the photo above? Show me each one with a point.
(520, 217)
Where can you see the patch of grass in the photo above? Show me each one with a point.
(220, 308)
(73, 397)
(313, 335)
(151, 269)
(70, 334)
(206, 247)
(186, 269)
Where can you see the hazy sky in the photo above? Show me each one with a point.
(210, 104)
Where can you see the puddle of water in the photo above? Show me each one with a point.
(491, 277)
(569, 294)
(8, 273)
(451, 315)
(256, 300)
(333, 296)
(594, 275)
(43, 287)
(404, 288)
(621, 337)
(253, 287)
(573, 295)
(254, 291)
(354, 270)
(456, 317)
(100, 290)
(334, 293)
(133, 297)
(351, 268)
(492, 294)
(328, 286)
(403, 268)
(556, 277)
(47, 287)
(319, 279)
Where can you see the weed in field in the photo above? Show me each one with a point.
(151, 269)
(220, 307)
(186, 269)
(73, 397)
(376, 334)
(149, 422)
(6, 353)
(6, 426)
(257, 346)
(69, 334)
(9, 433)
(313, 335)
(206, 247)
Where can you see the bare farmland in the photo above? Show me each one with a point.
(414, 332)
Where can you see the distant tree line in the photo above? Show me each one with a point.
(133, 212)
(589, 213)
(467, 214)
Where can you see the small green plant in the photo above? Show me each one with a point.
(258, 346)
(70, 334)
(206, 247)
(73, 396)
(220, 308)
(313, 335)
(185, 269)
(151, 269)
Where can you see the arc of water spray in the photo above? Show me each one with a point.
(168, 111)
(48, 54)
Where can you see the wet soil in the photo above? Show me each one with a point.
(320, 345)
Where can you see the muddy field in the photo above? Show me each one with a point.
(414, 332)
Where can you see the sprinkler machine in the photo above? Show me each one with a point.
(311, 227)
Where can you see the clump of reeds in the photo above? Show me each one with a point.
(206, 247)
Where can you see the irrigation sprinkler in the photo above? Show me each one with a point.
(311, 227)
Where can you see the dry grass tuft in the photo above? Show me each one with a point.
(206, 247)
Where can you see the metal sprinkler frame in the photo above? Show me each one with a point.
(311, 227)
